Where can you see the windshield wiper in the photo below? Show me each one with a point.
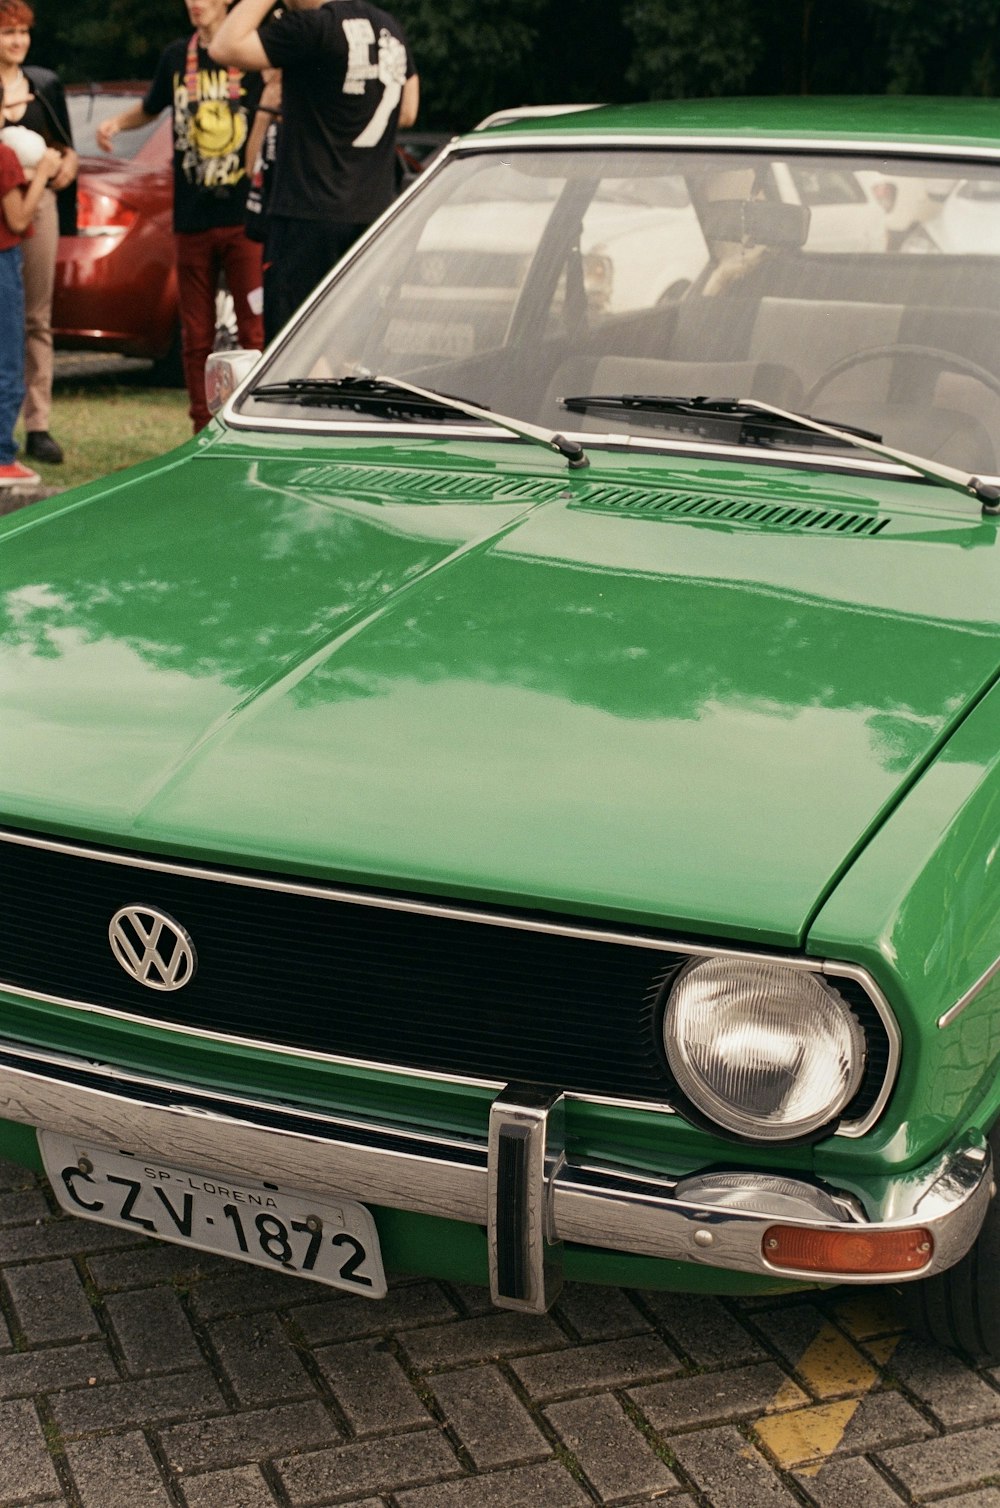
(710, 408)
(350, 392)
(986, 493)
(370, 390)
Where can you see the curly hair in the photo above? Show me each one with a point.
(15, 13)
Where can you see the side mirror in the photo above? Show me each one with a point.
(224, 372)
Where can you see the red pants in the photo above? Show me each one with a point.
(201, 256)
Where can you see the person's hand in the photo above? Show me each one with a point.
(50, 164)
(66, 173)
(106, 131)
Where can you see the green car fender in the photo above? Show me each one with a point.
(920, 909)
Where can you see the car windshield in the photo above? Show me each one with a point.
(521, 278)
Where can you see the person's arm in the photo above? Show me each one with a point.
(19, 204)
(237, 42)
(128, 120)
(267, 109)
(410, 103)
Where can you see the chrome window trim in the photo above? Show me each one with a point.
(802, 460)
(468, 915)
(666, 139)
(956, 1010)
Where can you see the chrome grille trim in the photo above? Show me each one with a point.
(668, 946)
(415, 907)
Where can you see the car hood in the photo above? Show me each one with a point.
(559, 690)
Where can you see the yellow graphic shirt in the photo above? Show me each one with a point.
(212, 107)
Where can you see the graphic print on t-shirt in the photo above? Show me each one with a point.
(209, 130)
(345, 65)
(211, 108)
(389, 68)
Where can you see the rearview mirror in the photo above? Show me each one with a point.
(756, 222)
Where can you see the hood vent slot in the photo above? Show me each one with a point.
(431, 486)
(401, 484)
(730, 510)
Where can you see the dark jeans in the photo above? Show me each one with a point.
(201, 256)
(11, 349)
(298, 255)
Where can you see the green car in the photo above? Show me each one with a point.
(518, 797)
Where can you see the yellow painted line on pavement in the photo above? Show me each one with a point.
(807, 1435)
(831, 1366)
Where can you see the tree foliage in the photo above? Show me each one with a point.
(705, 47)
(693, 50)
(475, 56)
(952, 46)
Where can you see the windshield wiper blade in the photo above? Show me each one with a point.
(696, 407)
(355, 392)
(986, 493)
(385, 391)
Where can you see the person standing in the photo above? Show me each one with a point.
(19, 200)
(33, 98)
(348, 82)
(213, 108)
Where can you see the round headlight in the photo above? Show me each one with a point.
(762, 1049)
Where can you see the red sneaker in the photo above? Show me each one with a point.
(16, 475)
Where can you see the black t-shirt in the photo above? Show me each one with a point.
(213, 107)
(343, 70)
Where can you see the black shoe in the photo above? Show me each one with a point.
(40, 446)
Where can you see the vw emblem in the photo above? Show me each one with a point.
(152, 947)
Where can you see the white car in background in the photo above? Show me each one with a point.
(966, 221)
(632, 252)
(641, 243)
(844, 213)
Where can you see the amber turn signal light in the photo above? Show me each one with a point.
(854, 1250)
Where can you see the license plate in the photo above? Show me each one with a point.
(331, 1241)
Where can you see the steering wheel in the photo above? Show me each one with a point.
(948, 361)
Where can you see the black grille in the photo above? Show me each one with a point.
(330, 976)
(358, 980)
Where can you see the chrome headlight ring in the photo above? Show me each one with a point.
(761, 1049)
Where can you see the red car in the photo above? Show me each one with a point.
(116, 280)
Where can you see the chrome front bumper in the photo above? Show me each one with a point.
(516, 1182)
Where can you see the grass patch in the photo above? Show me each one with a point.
(109, 422)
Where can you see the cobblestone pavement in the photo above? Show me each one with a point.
(138, 1375)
